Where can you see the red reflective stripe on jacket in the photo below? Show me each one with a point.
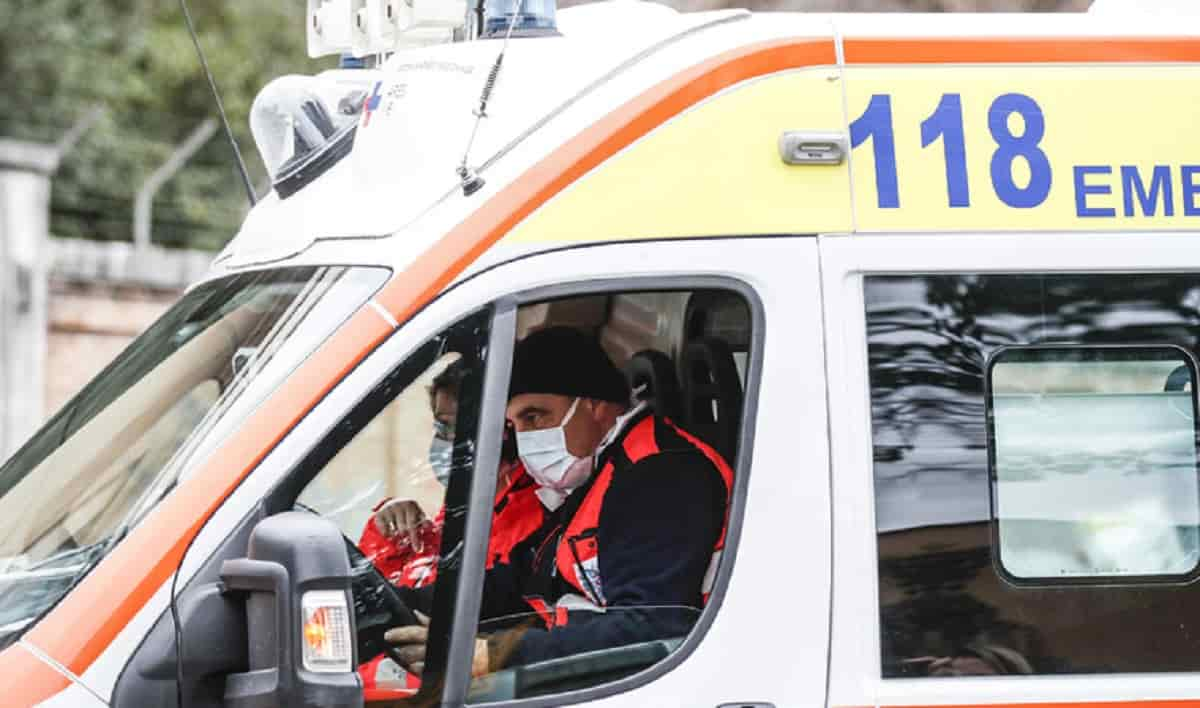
(383, 679)
(640, 441)
(556, 618)
(578, 550)
(542, 609)
(518, 513)
(578, 546)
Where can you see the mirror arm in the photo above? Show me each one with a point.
(267, 587)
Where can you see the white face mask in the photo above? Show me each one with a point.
(441, 459)
(545, 456)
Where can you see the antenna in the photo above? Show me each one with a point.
(212, 84)
(471, 181)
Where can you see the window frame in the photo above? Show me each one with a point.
(464, 628)
(994, 358)
(467, 596)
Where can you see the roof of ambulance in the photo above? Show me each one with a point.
(602, 45)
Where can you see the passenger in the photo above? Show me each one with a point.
(636, 514)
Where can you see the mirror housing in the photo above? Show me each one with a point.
(299, 621)
(213, 632)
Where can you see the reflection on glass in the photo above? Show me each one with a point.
(1094, 463)
(941, 593)
(388, 460)
(111, 454)
(383, 493)
(384, 477)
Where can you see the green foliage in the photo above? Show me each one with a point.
(59, 58)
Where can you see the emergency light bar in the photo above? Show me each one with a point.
(365, 27)
(527, 18)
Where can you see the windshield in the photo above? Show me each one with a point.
(96, 468)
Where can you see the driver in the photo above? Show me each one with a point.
(635, 515)
(403, 544)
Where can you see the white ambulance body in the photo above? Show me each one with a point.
(930, 284)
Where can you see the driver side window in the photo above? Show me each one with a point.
(382, 479)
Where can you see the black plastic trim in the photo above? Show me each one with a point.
(489, 440)
(301, 176)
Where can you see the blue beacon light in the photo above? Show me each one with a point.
(534, 18)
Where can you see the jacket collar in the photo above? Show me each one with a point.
(625, 423)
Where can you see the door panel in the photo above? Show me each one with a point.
(766, 636)
(933, 301)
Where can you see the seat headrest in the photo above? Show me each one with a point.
(651, 375)
(712, 391)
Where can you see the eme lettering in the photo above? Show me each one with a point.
(1160, 189)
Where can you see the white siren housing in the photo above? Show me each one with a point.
(328, 27)
(365, 27)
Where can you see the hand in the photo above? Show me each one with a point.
(401, 517)
(410, 647)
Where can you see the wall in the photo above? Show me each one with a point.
(89, 324)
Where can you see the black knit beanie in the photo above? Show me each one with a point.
(565, 361)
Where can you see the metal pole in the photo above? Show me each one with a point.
(25, 173)
(144, 203)
(25, 170)
(66, 144)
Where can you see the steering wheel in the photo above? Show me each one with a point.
(378, 606)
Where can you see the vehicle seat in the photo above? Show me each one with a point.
(712, 395)
(651, 375)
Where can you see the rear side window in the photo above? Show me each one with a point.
(1093, 463)
(1036, 493)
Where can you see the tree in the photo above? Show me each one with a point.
(58, 58)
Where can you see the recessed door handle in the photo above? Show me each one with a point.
(811, 148)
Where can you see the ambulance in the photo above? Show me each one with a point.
(930, 284)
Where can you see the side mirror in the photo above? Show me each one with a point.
(299, 618)
(277, 630)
